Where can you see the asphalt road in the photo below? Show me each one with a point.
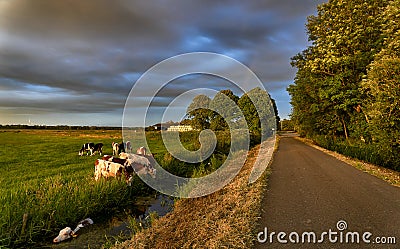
(310, 192)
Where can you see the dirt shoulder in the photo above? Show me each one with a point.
(225, 219)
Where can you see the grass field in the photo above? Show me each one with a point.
(45, 185)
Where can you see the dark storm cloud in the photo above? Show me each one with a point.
(84, 56)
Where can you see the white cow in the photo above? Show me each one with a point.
(67, 232)
(141, 151)
(139, 163)
(136, 158)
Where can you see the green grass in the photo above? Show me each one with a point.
(44, 180)
(45, 185)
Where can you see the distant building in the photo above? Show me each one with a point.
(161, 127)
(180, 128)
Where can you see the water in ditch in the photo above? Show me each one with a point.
(116, 229)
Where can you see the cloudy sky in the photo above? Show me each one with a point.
(74, 62)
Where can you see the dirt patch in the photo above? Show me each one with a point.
(388, 175)
(225, 219)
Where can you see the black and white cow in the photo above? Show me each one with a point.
(121, 147)
(87, 147)
(115, 148)
(118, 148)
(98, 148)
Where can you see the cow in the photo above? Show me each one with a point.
(128, 166)
(68, 233)
(128, 147)
(141, 151)
(87, 147)
(141, 169)
(117, 148)
(114, 159)
(121, 148)
(64, 234)
(99, 167)
(107, 169)
(139, 163)
(98, 148)
(128, 172)
(136, 158)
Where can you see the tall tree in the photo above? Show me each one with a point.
(225, 109)
(199, 113)
(382, 87)
(344, 38)
(259, 110)
(250, 114)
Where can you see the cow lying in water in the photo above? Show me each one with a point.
(68, 233)
(128, 164)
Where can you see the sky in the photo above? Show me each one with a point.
(74, 62)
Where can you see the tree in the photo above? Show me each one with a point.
(250, 113)
(199, 113)
(286, 125)
(276, 114)
(345, 36)
(382, 86)
(225, 110)
(259, 110)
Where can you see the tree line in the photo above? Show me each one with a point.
(226, 110)
(346, 90)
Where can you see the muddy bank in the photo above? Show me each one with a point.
(104, 234)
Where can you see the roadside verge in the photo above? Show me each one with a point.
(227, 218)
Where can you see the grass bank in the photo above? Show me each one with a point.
(225, 219)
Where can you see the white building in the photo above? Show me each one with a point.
(180, 128)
